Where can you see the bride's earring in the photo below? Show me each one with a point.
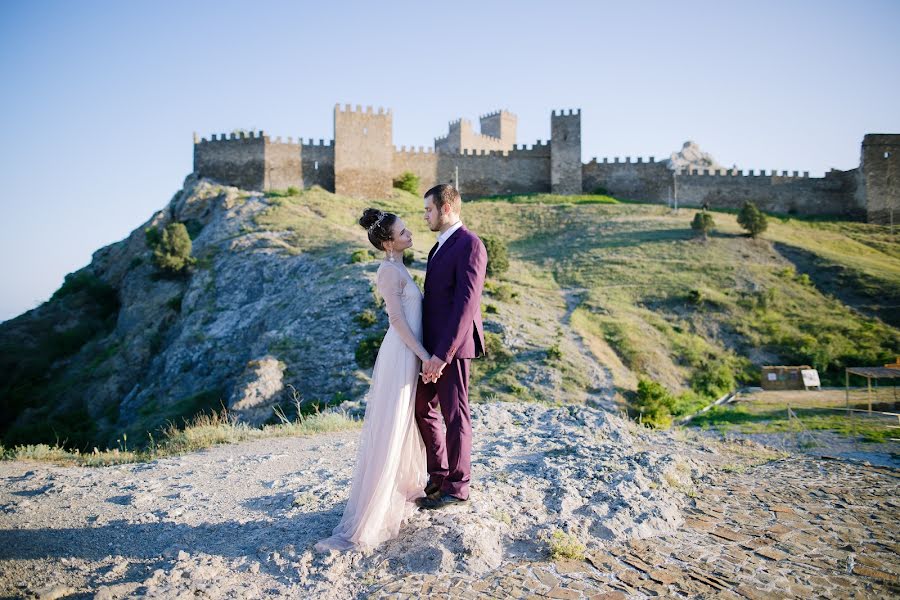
(391, 255)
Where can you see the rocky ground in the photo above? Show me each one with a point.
(659, 514)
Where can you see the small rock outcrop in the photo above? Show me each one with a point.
(692, 157)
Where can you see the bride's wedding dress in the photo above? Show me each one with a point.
(390, 467)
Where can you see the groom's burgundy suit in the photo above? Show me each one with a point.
(452, 331)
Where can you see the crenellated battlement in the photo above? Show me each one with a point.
(773, 174)
(321, 142)
(228, 137)
(651, 160)
(368, 110)
(414, 150)
(361, 160)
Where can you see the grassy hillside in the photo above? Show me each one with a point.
(648, 298)
(600, 294)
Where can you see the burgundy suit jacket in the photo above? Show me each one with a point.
(451, 311)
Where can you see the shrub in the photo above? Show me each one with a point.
(173, 252)
(500, 291)
(497, 254)
(152, 236)
(713, 379)
(752, 219)
(408, 257)
(408, 181)
(554, 352)
(367, 349)
(703, 223)
(359, 256)
(494, 349)
(654, 403)
(565, 545)
(366, 318)
(695, 296)
(103, 295)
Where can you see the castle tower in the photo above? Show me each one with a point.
(498, 133)
(879, 177)
(565, 152)
(363, 152)
(501, 125)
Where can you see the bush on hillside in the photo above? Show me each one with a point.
(359, 256)
(408, 181)
(367, 349)
(173, 252)
(500, 291)
(104, 296)
(752, 219)
(703, 223)
(713, 379)
(408, 257)
(653, 403)
(497, 255)
(495, 350)
(366, 318)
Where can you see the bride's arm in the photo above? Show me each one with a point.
(390, 285)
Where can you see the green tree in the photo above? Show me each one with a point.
(173, 252)
(752, 219)
(408, 181)
(703, 223)
(497, 254)
(654, 403)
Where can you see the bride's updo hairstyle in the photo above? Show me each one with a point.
(379, 224)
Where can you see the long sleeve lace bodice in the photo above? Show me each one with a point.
(391, 282)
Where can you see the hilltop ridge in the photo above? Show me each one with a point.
(598, 294)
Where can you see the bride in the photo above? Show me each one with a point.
(390, 465)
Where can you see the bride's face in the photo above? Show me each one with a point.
(402, 238)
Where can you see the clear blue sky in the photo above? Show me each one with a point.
(101, 98)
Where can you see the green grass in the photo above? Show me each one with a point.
(665, 303)
(549, 199)
(750, 418)
(202, 431)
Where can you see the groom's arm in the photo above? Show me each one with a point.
(470, 271)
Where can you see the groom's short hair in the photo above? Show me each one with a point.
(445, 193)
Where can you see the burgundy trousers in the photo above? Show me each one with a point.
(449, 454)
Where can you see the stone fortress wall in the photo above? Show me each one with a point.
(362, 161)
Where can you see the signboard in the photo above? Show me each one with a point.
(810, 377)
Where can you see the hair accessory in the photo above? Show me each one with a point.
(378, 221)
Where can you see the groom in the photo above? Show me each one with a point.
(453, 334)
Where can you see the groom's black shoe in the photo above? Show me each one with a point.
(429, 502)
(432, 488)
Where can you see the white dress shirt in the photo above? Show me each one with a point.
(446, 235)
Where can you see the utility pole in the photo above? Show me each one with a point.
(456, 177)
(675, 188)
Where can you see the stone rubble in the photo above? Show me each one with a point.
(659, 514)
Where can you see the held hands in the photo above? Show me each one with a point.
(432, 369)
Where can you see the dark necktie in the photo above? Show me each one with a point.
(430, 254)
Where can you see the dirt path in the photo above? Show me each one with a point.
(602, 391)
